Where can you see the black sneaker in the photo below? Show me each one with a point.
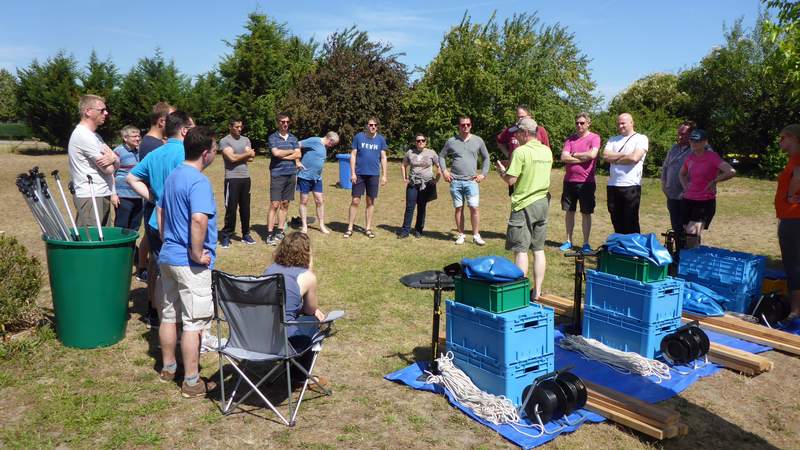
(279, 235)
(271, 240)
(402, 236)
(247, 239)
(152, 320)
(416, 234)
(141, 275)
(225, 242)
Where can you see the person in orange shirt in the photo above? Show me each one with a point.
(787, 209)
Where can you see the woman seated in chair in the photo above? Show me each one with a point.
(293, 259)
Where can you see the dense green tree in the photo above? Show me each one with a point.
(736, 96)
(48, 98)
(265, 63)
(484, 70)
(650, 93)
(208, 103)
(354, 78)
(8, 96)
(151, 80)
(785, 32)
(101, 78)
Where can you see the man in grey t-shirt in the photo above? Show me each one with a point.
(237, 153)
(463, 176)
(670, 171)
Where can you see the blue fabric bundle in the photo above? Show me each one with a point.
(702, 300)
(495, 269)
(642, 245)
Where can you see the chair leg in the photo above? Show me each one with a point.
(309, 377)
(289, 389)
(255, 388)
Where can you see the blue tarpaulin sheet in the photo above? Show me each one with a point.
(702, 300)
(647, 389)
(495, 269)
(642, 245)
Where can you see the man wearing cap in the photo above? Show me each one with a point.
(670, 178)
(529, 173)
(699, 176)
(625, 152)
(463, 177)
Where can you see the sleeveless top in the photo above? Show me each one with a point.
(294, 301)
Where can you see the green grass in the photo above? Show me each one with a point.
(51, 396)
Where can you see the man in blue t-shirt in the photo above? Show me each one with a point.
(188, 216)
(147, 179)
(367, 169)
(309, 179)
(285, 150)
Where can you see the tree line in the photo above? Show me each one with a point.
(742, 92)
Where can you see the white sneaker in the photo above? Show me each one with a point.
(476, 238)
(460, 239)
(209, 342)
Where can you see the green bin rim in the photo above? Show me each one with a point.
(111, 235)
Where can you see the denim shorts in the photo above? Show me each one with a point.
(461, 189)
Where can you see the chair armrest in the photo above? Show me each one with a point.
(333, 315)
(309, 320)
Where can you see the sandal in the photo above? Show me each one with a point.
(347, 234)
(369, 233)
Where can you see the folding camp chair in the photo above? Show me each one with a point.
(253, 307)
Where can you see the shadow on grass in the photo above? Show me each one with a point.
(28, 151)
(437, 235)
(274, 389)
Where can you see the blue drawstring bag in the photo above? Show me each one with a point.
(702, 300)
(495, 269)
(642, 245)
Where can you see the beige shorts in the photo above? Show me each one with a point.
(186, 292)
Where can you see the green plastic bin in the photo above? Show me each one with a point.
(493, 297)
(91, 282)
(631, 267)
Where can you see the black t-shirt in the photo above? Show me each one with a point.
(148, 144)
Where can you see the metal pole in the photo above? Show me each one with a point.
(50, 205)
(437, 303)
(94, 207)
(77, 235)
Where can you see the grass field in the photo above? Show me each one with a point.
(51, 396)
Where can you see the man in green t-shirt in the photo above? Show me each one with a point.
(529, 173)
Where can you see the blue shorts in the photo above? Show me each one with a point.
(306, 186)
(368, 184)
(465, 189)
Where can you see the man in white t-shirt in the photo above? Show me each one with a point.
(626, 153)
(89, 155)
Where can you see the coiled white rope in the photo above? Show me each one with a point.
(623, 362)
(491, 408)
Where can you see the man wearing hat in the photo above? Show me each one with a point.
(529, 173)
(699, 176)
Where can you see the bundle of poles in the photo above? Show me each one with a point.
(39, 198)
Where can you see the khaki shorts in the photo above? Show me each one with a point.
(187, 292)
(527, 228)
(85, 211)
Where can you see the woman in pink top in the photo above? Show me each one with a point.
(699, 176)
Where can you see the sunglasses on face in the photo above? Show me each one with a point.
(372, 124)
(284, 121)
(580, 123)
(420, 140)
(465, 124)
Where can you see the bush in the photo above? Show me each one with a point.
(20, 281)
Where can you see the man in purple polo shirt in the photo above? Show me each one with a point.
(580, 158)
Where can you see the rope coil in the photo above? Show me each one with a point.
(623, 362)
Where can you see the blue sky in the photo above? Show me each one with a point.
(624, 39)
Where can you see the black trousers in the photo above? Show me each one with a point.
(237, 195)
(415, 198)
(675, 208)
(623, 206)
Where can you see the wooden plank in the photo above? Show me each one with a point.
(747, 335)
(625, 420)
(657, 413)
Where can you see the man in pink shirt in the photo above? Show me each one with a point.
(580, 157)
(699, 176)
(507, 143)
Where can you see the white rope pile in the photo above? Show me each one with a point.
(624, 362)
(491, 408)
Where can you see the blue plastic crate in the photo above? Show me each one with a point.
(743, 272)
(500, 339)
(510, 381)
(627, 335)
(643, 302)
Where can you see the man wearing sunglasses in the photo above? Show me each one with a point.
(89, 155)
(285, 149)
(367, 169)
(580, 158)
(463, 177)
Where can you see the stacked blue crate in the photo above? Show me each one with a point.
(631, 315)
(502, 353)
(737, 276)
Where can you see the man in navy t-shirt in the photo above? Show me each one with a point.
(367, 169)
(285, 150)
(187, 212)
